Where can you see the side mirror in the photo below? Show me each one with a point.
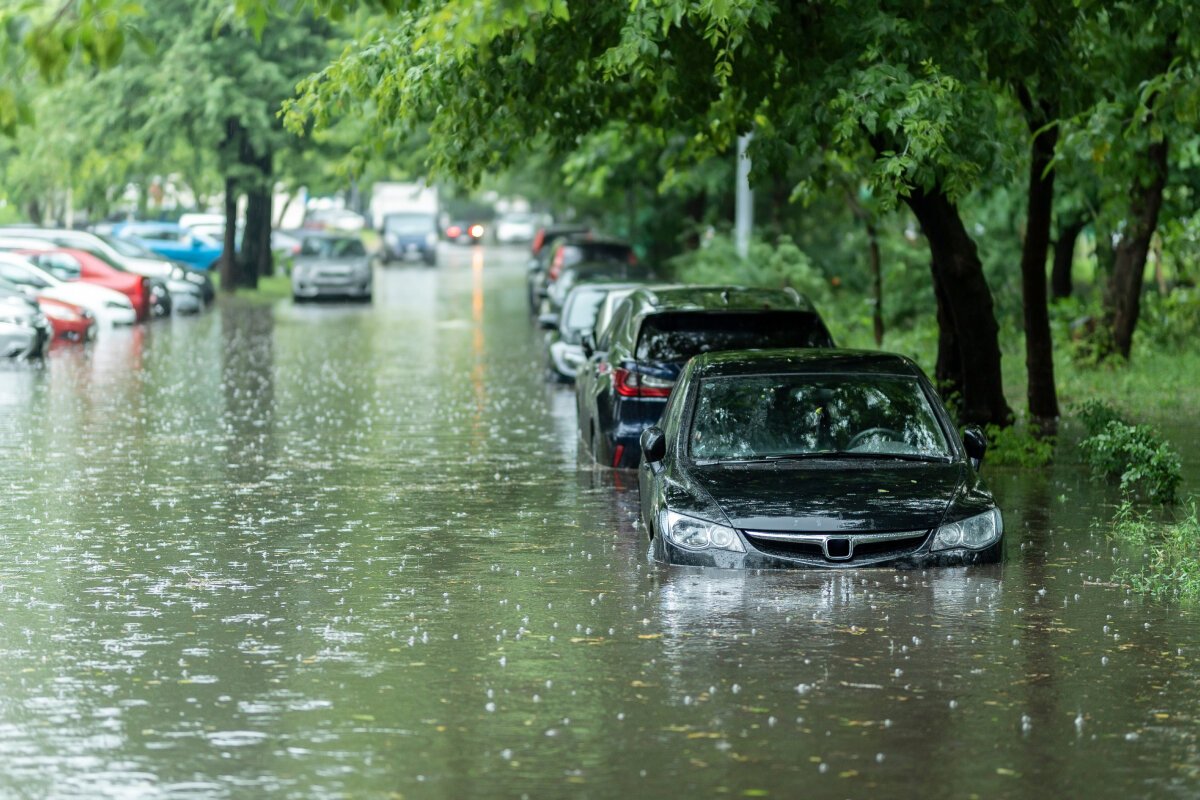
(976, 444)
(548, 322)
(588, 344)
(654, 444)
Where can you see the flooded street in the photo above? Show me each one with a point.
(328, 550)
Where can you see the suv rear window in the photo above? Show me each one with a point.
(677, 336)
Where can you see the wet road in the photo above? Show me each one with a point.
(340, 551)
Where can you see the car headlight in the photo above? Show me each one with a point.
(431, 239)
(972, 533)
(697, 534)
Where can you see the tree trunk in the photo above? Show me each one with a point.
(256, 239)
(229, 265)
(1122, 301)
(874, 263)
(968, 345)
(1039, 348)
(1064, 257)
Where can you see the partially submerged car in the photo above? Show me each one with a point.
(654, 331)
(331, 265)
(24, 330)
(813, 458)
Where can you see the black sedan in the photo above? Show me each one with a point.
(633, 364)
(813, 458)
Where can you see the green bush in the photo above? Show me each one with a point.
(1173, 567)
(783, 264)
(1096, 414)
(1137, 455)
(1017, 446)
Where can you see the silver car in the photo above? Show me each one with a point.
(24, 330)
(329, 265)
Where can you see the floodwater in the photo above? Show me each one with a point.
(338, 551)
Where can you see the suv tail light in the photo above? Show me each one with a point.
(628, 384)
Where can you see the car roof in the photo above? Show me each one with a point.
(803, 360)
(718, 298)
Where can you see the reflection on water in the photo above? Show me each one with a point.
(344, 550)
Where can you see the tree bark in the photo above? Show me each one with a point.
(1064, 257)
(228, 268)
(874, 263)
(968, 345)
(1122, 300)
(1039, 348)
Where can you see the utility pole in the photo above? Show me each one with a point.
(743, 217)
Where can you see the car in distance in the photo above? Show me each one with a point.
(566, 329)
(410, 236)
(515, 227)
(464, 232)
(331, 265)
(630, 371)
(565, 252)
(175, 242)
(594, 272)
(813, 458)
(76, 265)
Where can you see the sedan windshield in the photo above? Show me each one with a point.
(782, 416)
(409, 224)
(330, 247)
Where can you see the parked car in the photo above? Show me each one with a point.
(24, 330)
(630, 371)
(187, 287)
(331, 265)
(108, 306)
(593, 272)
(566, 328)
(548, 233)
(564, 253)
(517, 227)
(175, 242)
(77, 265)
(71, 323)
(410, 236)
(813, 458)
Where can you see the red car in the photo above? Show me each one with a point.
(77, 265)
(71, 323)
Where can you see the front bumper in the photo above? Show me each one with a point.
(915, 558)
(330, 287)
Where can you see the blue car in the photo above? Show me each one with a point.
(633, 364)
(169, 240)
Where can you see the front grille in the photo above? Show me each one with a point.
(811, 548)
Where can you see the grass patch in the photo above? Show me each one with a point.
(1172, 568)
(270, 289)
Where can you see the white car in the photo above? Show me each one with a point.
(107, 306)
(512, 228)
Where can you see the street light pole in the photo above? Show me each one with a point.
(744, 204)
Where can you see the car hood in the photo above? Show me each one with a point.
(821, 497)
(85, 294)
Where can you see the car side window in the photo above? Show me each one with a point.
(60, 265)
(620, 318)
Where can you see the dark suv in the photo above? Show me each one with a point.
(634, 362)
(409, 236)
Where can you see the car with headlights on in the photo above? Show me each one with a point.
(630, 370)
(810, 459)
(331, 265)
